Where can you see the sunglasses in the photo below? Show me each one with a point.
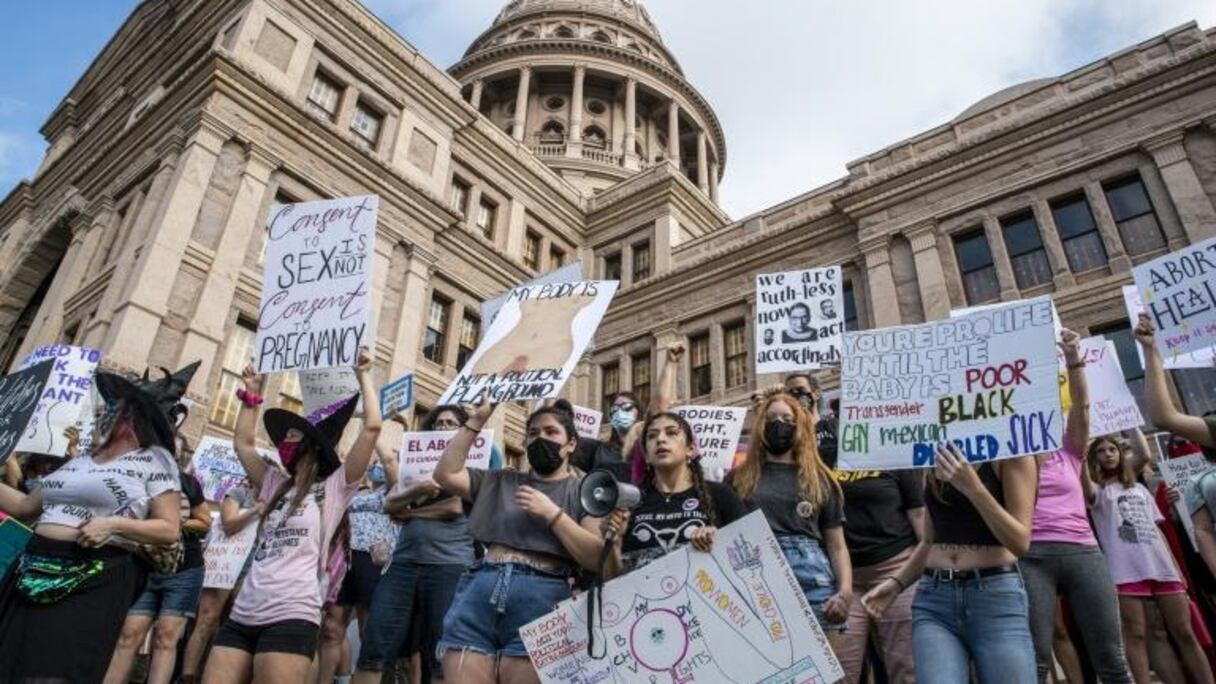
(623, 407)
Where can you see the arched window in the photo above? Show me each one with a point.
(563, 31)
(594, 136)
(634, 46)
(601, 37)
(526, 34)
(552, 132)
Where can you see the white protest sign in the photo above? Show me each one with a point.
(799, 319)
(570, 273)
(316, 289)
(717, 430)
(1112, 408)
(325, 391)
(218, 468)
(1196, 359)
(735, 614)
(587, 422)
(420, 452)
(987, 381)
(225, 556)
(65, 399)
(1177, 472)
(534, 343)
(1178, 291)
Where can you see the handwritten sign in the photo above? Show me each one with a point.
(735, 614)
(420, 452)
(534, 343)
(987, 381)
(325, 391)
(1196, 359)
(717, 430)
(1178, 291)
(65, 399)
(1112, 408)
(20, 394)
(1177, 472)
(219, 469)
(570, 273)
(587, 422)
(799, 319)
(397, 395)
(225, 556)
(316, 289)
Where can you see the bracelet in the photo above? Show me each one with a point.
(470, 428)
(249, 399)
(1076, 365)
(902, 586)
(552, 521)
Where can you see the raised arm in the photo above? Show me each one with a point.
(452, 473)
(360, 455)
(1141, 454)
(388, 458)
(244, 438)
(1088, 489)
(662, 399)
(1161, 409)
(1076, 429)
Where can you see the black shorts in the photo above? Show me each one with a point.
(360, 582)
(298, 637)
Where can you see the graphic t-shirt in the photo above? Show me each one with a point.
(83, 489)
(661, 523)
(283, 582)
(779, 495)
(369, 524)
(1126, 520)
(1059, 512)
(192, 543)
(876, 505)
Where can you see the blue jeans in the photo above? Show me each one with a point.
(174, 595)
(409, 597)
(495, 600)
(985, 620)
(813, 570)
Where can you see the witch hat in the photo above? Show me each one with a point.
(156, 401)
(325, 433)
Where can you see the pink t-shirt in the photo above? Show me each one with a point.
(1126, 519)
(284, 581)
(1059, 513)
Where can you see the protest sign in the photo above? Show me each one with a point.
(799, 319)
(534, 343)
(20, 394)
(570, 273)
(1196, 359)
(225, 556)
(65, 399)
(317, 285)
(1112, 408)
(1177, 472)
(717, 430)
(326, 390)
(987, 381)
(735, 614)
(397, 396)
(420, 452)
(1178, 291)
(219, 469)
(587, 422)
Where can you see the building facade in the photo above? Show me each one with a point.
(567, 131)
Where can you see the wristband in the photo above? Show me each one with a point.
(554, 519)
(1076, 365)
(902, 586)
(249, 399)
(470, 428)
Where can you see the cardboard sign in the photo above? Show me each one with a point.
(570, 273)
(717, 430)
(1177, 472)
(397, 396)
(1196, 359)
(735, 614)
(219, 469)
(20, 394)
(587, 422)
(1112, 408)
(534, 343)
(987, 381)
(420, 452)
(799, 319)
(325, 391)
(1178, 291)
(225, 556)
(65, 399)
(316, 290)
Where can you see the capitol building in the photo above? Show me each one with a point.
(567, 131)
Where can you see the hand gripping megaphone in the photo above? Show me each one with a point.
(600, 494)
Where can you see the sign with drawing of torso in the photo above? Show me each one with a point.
(587, 422)
(225, 556)
(316, 288)
(799, 319)
(420, 452)
(717, 430)
(735, 614)
(20, 394)
(1201, 358)
(65, 399)
(1178, 292)
(987, 381)
(570, 273)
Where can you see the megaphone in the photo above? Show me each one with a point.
(600, 494)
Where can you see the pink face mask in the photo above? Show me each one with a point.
(288, 452)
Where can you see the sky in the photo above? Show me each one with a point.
(801, 87)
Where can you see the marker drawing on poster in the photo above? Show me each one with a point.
(987, 381)
(219, 469)
(570, 273)
(325, 391)
(1197, 359)
(1178, 292)
(534, 343)
(65, 400)
(20, 394)
(731, 616)
(1112, 408)
(225, 556)
(717, 430)
(397, 396)
(799, 319)
(420, 452)
(587, 422)
(1177, 472)
(316, 288)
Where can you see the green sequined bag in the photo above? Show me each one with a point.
(47, 579)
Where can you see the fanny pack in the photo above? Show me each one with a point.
(49, 579)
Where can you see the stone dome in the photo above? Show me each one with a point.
(628, 11)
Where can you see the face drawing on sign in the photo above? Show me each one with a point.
(531, 344)
(827, 308)
(800, 329)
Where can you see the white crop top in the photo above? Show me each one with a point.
(82, 489)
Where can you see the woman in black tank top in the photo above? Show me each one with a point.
(970, 606)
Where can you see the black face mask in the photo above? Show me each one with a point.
(778, 436)
(544, 456)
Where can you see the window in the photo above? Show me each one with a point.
(594, 136)
(434, 341)
(610, 384)
(1025, 244)
(975, 263)
(291, 398)
(734, 339)
(612, 266)
(470, 331)
(552, 133)
(1134, 215)
(323, 96)
(1082, 242)
(557, 257)
(367, 123)
(698, 357)
(238, 353)
(641, 260)
(487, 216)
(640, 382)
(532, 250)
(850, 307)
(460, 195)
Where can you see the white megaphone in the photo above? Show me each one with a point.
(600, 494)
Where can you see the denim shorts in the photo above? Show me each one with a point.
(814, 573)
(173, 595)
(493, 601)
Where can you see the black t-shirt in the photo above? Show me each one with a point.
(662, 523)
(876, 504)
(192, 495)
(779, 495)
(593, 454)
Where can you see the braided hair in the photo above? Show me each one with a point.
(693, 464)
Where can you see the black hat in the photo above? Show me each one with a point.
(157, 402)
(325, 433)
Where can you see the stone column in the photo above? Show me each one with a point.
(1118, 259)
(521, 104)
(631, 115)
(713, 181)
(929, 275)
(475, 96)
(574, 146)
(673, 134)
(702, 164)
(880, 282)
(1000, 259)
(1194, 207)
(1061, 275)
(407, 341)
